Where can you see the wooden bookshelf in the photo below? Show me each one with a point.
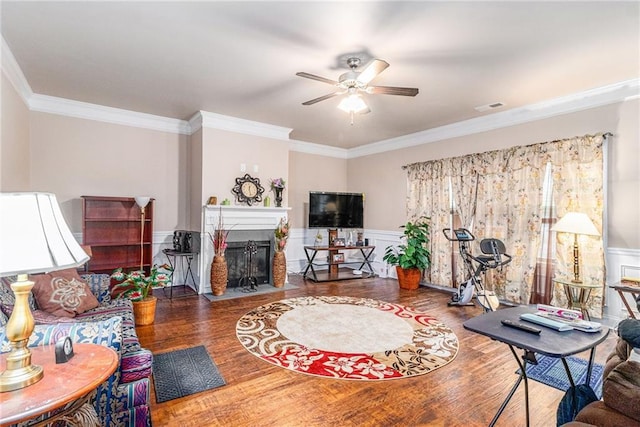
(112, 227)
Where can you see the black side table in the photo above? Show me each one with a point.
(549, 343)
(173, 257)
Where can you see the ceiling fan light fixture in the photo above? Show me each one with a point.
(353, 104)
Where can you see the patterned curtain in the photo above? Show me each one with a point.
(578, 187)
(507, 201)
(428, 195)
(542, 289)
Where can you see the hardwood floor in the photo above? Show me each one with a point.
(466, 392)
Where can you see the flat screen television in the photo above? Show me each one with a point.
(336, 210)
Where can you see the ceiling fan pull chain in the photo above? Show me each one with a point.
(351, 117)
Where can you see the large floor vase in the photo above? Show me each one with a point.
(144, 311)
(218, 275)
(279, 269)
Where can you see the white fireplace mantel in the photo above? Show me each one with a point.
(234, 218)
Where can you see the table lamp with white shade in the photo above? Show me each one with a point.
(34, 238)
(576, 223)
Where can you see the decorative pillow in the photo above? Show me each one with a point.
(63, 293)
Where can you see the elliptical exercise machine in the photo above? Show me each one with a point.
(494, 256)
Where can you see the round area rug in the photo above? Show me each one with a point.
(348, 338)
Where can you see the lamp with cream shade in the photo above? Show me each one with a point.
(576, 223)
(34, 239)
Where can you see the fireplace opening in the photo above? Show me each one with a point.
(244, 274)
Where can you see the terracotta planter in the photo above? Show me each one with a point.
(218, 275)
(144, 312)
(409, 278)
(279, 269)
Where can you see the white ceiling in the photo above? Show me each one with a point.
(239, 59)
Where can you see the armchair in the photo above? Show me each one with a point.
(123, 400)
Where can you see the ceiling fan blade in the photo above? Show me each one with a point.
(318, 78)
(391, 90)
(372, 69)
(321, 98)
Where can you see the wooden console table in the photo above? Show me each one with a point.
(62, 384)
(335, 260)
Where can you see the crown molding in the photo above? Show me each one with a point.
(85, 110)
(195, 122)
(318, 149)
(234, 124)
(617, 92)
(14, 73)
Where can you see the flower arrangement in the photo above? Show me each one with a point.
(219, 237)
(281, 234)
(136, 286)
(277, 183)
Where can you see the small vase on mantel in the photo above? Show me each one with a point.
(218, 275)
(278, 191)
(279, 269)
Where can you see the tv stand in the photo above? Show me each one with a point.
(334, 261)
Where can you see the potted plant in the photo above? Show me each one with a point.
(412, 257)
(138, 288)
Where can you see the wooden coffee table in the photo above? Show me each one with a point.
(62, 383)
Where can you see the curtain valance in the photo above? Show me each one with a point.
(578, 149)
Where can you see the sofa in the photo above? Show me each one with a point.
(122, 400)
(620, 404)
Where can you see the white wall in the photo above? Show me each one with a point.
(382, 178)
(15, 166)
(72, 157)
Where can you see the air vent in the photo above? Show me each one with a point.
(488, 107)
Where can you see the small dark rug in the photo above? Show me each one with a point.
(550, 371)
(183, 372)
(237, 292)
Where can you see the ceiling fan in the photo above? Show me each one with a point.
(354, 82)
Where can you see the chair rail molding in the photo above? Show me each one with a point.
(615, 260)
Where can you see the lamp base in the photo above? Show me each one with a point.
(15, 379)
(19, 372)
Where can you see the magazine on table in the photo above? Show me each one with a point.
(569, 317)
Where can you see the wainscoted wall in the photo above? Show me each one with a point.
(297, 260)
(616, 259)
